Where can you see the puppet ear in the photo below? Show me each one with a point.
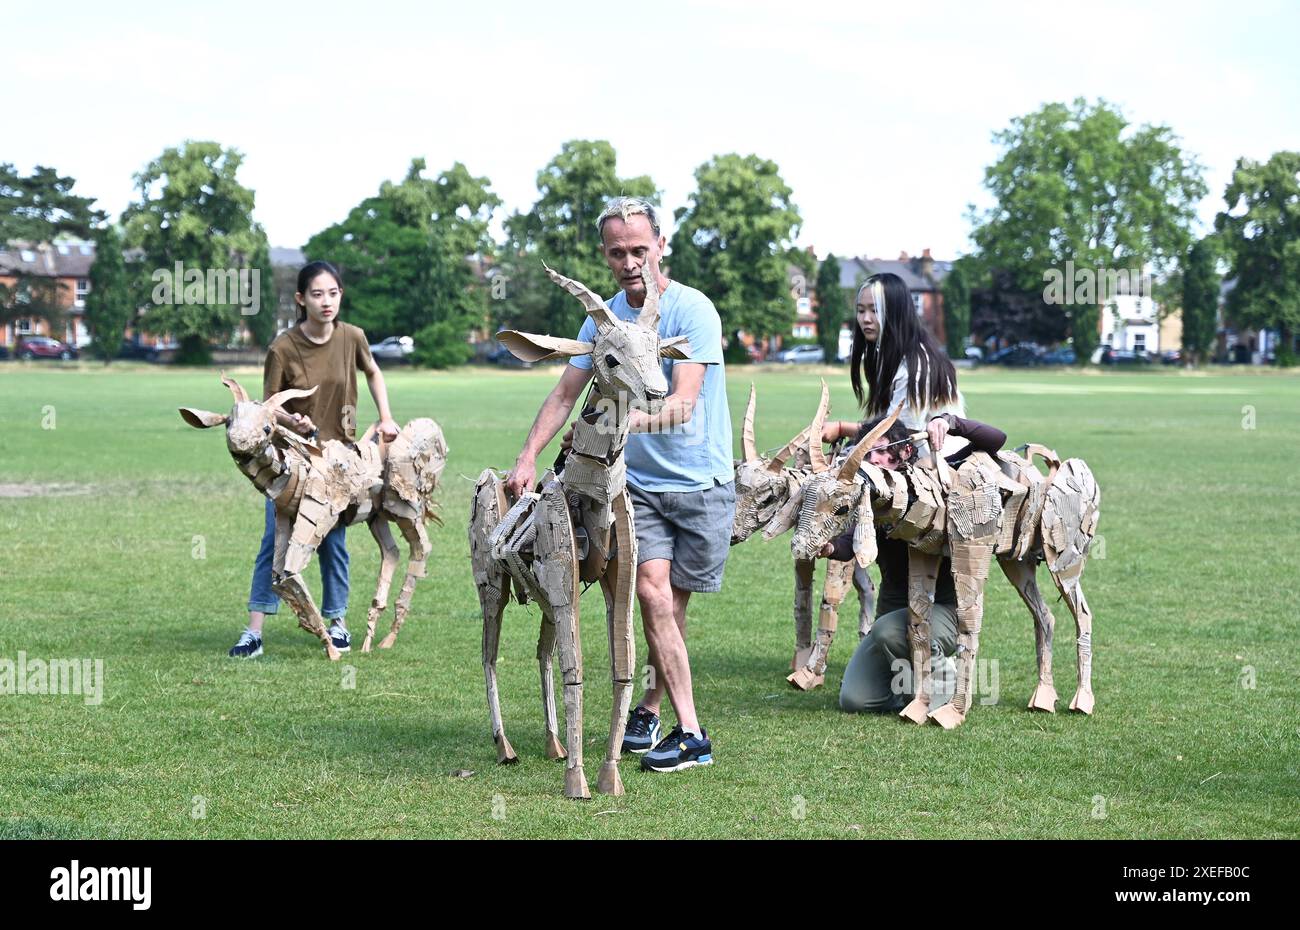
(241, 396)
(864, 534)
(678, 347)
(528, 347)
(202, 419)
(595, 307)
(280, 398)
(785, 517)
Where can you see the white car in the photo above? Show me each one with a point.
(393, 349)
(804, 354)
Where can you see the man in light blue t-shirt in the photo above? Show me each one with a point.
(679, 477)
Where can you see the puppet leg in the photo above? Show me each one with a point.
(556, 568)
(493, 584)
(866, 600)
(1073, 592)
(1021, 575)
(922, 573)
(970, 568)
(418, 539)
(389, 554)
(619, 586)
(312, 524)
(813, 672)
(803, 585)
(546, 668)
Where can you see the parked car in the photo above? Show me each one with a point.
(1061, 356)
(974, 353)
(134, 350)
(804, 354)
(1021, 355)
(506, 359)
(4, 353)
(1172, 357)
(44, 347)
(393, 349)
(1123, 357)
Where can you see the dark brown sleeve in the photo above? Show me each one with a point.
(981, 436)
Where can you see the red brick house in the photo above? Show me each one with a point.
(68, 264)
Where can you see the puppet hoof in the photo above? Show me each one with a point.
(554, 748)
(365, 646)
(575, 784)
(332, 652)
(1082, 702)
(1044, 699)
(915, 711)
(387, 641)
(609, 782)
(505, 752)
(948, 717)
(805, 680)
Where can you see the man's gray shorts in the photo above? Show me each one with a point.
(690, 528)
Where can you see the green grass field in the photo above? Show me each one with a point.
(1196, 731)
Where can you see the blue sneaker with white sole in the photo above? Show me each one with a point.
(340, 637)
(679, 750)
(642, 731)
(248, 647)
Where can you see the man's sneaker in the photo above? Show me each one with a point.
(248, 647)
(678, 750)
(642, 731)
(340, 637)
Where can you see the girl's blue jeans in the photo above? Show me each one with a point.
(333, 558)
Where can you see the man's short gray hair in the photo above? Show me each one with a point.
(625, 208)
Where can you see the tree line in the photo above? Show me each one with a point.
(1071, 183)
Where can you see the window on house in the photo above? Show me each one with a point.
(83, 288)
(23, 325)
(1139, 342)
(28, 255)
(918, 301)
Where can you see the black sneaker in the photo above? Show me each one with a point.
(642, 731)
(340, 637)
(248, 647)
(678, 750)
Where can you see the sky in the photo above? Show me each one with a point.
(879, 116)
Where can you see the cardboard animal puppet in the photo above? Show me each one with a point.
(1001, 507)
(576, 528)
(768, 495)
(315, 488)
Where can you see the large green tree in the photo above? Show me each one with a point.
(405, 258)
(560, 229)
(192, 209)
(832, 307)
(110, 305)
(1200, 298)
(1077, 183)
(1261, 238)
(733, 242)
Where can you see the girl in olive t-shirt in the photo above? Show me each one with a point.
(323, 353)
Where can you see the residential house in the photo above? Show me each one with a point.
(67, 264)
